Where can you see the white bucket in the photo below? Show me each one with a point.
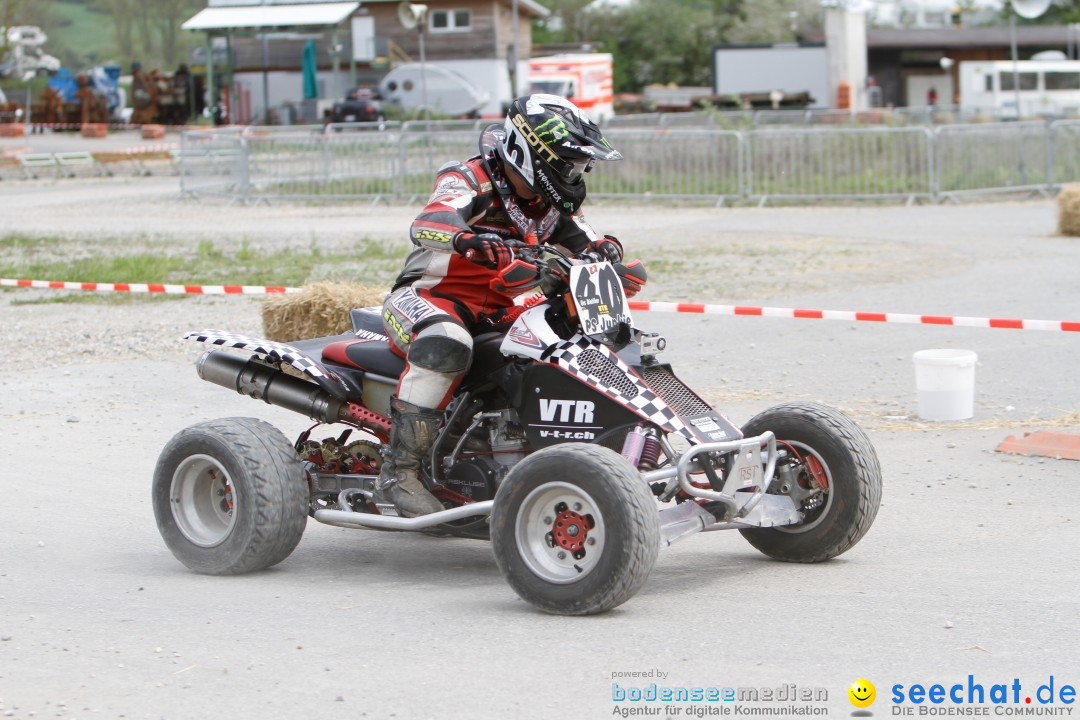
(945, 380)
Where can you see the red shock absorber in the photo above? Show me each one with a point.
(650, 453)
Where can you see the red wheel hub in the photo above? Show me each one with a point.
(570, 530)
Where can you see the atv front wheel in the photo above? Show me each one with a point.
(575, 529)
(230, 496)
(839, 482)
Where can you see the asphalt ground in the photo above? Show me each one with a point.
(969, 569)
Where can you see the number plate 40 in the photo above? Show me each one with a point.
(599, 299)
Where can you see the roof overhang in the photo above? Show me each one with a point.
(271, 16)
(990, 37)
(535, 8)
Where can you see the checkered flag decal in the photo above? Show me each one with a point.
(278, 352)
(646, 403)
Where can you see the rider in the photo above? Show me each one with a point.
(526, 185)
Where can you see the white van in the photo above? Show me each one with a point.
(1047, 87)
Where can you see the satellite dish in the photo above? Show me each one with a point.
(410, 14)
(1030, 9)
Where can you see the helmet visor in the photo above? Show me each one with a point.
(574, 169)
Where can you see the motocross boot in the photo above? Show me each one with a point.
(412, 433)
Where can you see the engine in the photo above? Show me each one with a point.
(483, 463)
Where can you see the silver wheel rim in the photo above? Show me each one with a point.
(542, 516)
(823, 512)
(203, 500)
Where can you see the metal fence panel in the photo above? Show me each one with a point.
(849, 161)
(991, 158)
(833, 163)
(212, 163)
(1065, 152)
(671, 163)
(421, 154)
(323, 165)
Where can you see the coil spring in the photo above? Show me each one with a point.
(650, 454)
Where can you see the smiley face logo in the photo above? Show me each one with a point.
(862, 693)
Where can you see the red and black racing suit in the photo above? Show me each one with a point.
(440, 288)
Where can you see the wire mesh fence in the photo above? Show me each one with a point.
(214, 164)
(999, 157)
(398, 162)
(813, 163)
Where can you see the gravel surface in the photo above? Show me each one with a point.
(966, 570)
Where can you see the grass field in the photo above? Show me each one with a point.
(53, 258)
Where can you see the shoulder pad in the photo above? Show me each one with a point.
(463, 170)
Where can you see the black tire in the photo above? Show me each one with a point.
(625, 529)
(854, 483)
(267, 510)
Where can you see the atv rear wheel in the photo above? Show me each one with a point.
(230, 496)
(575, 529)
(835, 448)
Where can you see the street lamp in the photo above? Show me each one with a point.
(411, 15)
(1029, 9)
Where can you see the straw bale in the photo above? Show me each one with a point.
(1069, 210)
(318, 310)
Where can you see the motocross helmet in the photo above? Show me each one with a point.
(551, 144)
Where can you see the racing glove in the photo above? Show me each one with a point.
(609, 248)
(516, 278)
(487, 249)
(633, 276)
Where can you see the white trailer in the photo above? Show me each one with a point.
(585, 79)
(1047, 87)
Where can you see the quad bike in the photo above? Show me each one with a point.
(568, 444)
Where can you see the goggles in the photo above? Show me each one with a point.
(574, 169)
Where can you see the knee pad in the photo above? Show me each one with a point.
(443, 347)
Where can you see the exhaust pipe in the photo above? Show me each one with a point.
(250, 377)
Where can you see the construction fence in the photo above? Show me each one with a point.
(396, 163)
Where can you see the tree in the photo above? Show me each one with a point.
(773, 21)
(664, 41)
(149, 30)
(1063, 11)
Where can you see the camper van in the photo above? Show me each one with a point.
(585, 79)
(1047, 87)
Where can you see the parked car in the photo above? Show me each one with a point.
(359, 105)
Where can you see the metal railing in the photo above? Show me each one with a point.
(932, 116)
(397, 162)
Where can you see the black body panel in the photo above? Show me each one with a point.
(555, 408)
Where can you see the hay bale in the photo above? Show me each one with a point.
(317, 310)
(1069, 210)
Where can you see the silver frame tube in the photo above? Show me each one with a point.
(342, 518)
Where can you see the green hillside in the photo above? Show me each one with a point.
(84, 33)
(81, 35)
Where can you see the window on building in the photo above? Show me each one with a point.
(1028, 81)
(451, 20)
(989, 83)
(1062, 81)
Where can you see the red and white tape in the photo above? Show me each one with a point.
(853, 316)
(151, 287)
(664, 307)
